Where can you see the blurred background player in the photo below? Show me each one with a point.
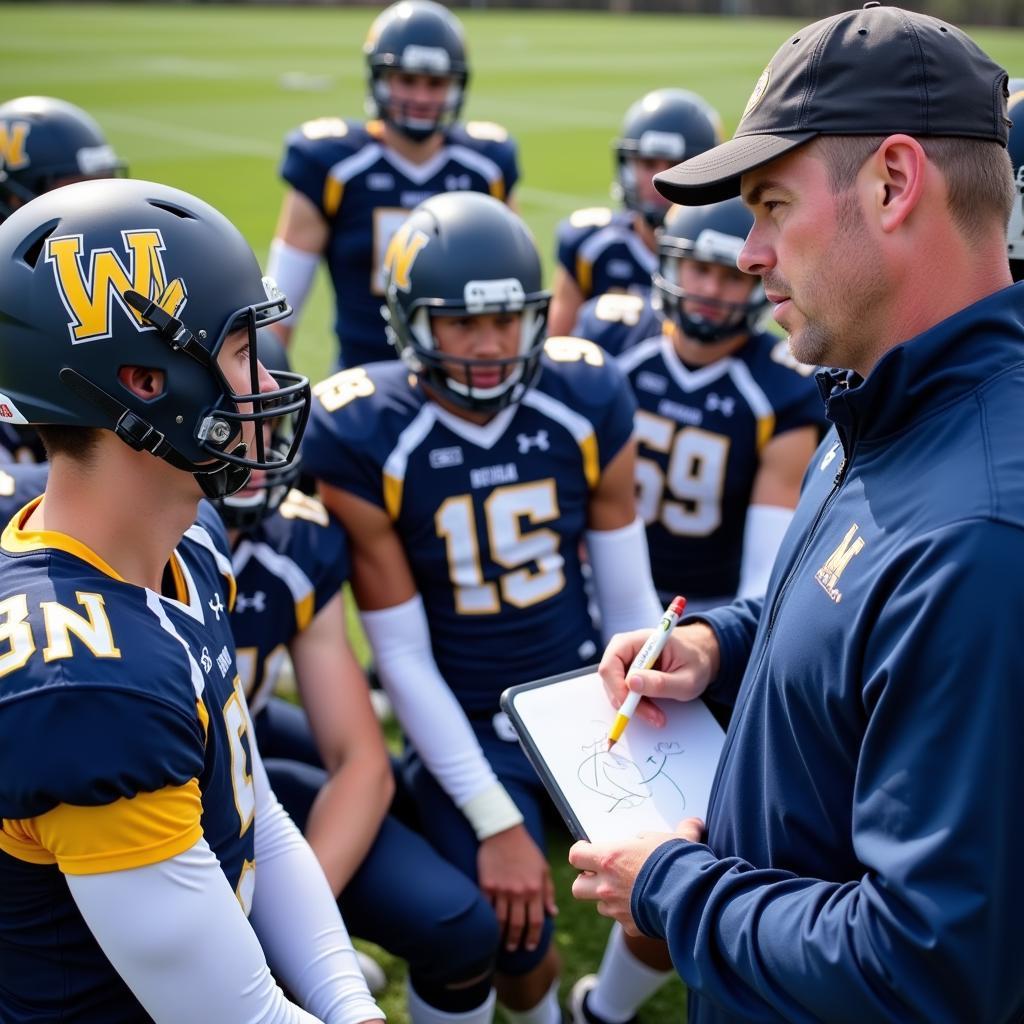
(351, 183)
(1015, 147)
(600, 250)
(727, 419)
(467, 488)
(44, 143)
(327, 760)
(133, 801)
(727, 423)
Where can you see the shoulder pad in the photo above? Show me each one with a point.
(486, 131)
(591, 217)
(781, 354)
(619, 308)
(325, 128)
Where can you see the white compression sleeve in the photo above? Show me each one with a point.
(176, 934)
(762, 535)
(622, 578)
(293, 270)
(432, 718)
(297, 920)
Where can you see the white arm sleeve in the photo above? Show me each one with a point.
(433, 719)
(622, 579)
(293, 270)
(762, 535)
(297, 920)
(176, 934)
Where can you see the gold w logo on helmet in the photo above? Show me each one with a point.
(89, 294)
(401, 254)
(13, 136)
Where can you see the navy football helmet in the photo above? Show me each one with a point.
(666, 124)
(710, 234)
(44, 141)
(104, 274)
(1015, 147)
(463, 254)
(268, 489)
(418, 37)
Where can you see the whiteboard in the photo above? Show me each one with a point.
(648, 782)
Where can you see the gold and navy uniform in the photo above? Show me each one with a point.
(601, 251)
(286, 570)
(19, 484)
(616, 321)
(125, 741)
(491, 516)
(700, 432)
(365, 190)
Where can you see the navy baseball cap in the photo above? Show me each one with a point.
(873, 71)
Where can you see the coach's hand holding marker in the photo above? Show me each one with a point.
(645, 658)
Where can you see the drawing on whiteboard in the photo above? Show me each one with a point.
(626, 783)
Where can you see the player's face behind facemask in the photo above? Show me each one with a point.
(418, 104)
(465, 306)
(266, 489)
(698, 283)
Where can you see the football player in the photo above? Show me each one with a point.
(44, 143)
(600, 250)
(1015, 147)
(727, 423)
(351, 183)
(134, 804)
(290, 559)
(468, 477)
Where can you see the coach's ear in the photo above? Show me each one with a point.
(142, 381)
(898, 169)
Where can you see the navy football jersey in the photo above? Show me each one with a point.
(491, 516)
(19, 444)
(617, 321)
(365, 190)
(601, 251)
(126, 740)
(19, 484)
(700, 432)
(286, 570)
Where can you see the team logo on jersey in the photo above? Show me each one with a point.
(90, 282)
(716, 403)
(405, 246)
(836, 563)
(13, 136)
(256, 603)
(215, 605)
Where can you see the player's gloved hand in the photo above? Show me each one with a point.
(514, 876)
(689, 662)
(609, 870)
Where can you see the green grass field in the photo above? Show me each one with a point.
(200, 97)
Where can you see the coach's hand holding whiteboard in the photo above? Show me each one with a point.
(659, 772)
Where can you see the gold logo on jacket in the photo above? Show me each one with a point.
(91, 282)
(836, 563)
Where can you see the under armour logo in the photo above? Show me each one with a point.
(215, 606)
(205, 660)
(256, 603)
(539, 441)
(715, 403)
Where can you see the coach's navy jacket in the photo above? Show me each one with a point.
(865, 849)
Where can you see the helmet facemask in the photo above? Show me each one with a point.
(420, 350)
(709, 247)
(400, 115)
